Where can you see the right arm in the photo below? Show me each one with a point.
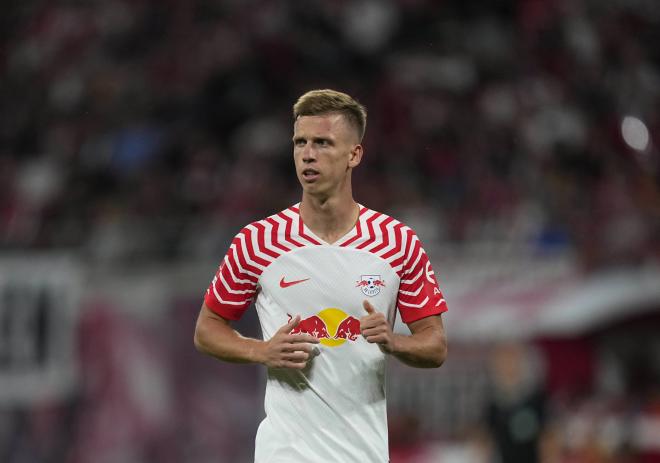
(229, 295)
(215, 336)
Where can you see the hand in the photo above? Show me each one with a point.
(376, 329)
(286, 350)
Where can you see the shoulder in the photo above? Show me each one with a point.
(275, 235)
(381, 223)
(276, 220)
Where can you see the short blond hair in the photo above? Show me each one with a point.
(319, 102)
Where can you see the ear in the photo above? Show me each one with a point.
(355, 156)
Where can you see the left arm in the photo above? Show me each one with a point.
(425, 347)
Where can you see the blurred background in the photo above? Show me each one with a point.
(519, 138)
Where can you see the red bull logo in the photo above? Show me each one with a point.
(332, 326)
(370, 284)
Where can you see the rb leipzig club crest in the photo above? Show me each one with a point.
(370, 284)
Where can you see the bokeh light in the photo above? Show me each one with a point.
(635, 133)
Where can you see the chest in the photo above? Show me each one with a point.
(311, 280)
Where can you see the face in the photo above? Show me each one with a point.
(325, 149)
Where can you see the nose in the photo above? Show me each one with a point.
(308, 154)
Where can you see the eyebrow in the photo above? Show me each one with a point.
(314, 139)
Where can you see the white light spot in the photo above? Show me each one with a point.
(635, 133)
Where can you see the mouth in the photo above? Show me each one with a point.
(310, 175)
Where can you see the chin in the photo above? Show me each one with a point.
(313, 189)
(310, 188)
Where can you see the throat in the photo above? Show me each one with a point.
(330, 223)
(332, 236)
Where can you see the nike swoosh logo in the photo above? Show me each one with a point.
(286, 284)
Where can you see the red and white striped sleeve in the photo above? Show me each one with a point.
(235, 283)
(419, 295)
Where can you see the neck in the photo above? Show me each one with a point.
(329, 218)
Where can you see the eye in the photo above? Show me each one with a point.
(299, 142)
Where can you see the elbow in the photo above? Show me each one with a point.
(199, 340)
(440, 354)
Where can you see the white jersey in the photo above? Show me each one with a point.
(334, 410)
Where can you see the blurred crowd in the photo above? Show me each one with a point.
(150, 131)
(613, 418)
(137, 130)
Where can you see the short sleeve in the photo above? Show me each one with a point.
(235, 283)
(419, 295)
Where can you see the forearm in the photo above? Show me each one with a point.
(215, 337)
(423, 349)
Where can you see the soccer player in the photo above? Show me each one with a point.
(327, 276)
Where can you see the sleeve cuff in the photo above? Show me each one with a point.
(412, 315)
(225, 311)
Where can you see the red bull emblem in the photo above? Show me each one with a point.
(331, 326)
(313, 325)
(370, 284)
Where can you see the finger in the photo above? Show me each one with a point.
(291, 324)
(376, 339)
(367, 324)
(368, 307)
(375, 331)
(293, 347)
(293, 365)
(301, 338)
(297, 356)
(372, 320)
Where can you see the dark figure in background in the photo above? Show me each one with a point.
(515, 415)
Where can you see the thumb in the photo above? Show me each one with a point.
(291, 324)
(368, 307)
